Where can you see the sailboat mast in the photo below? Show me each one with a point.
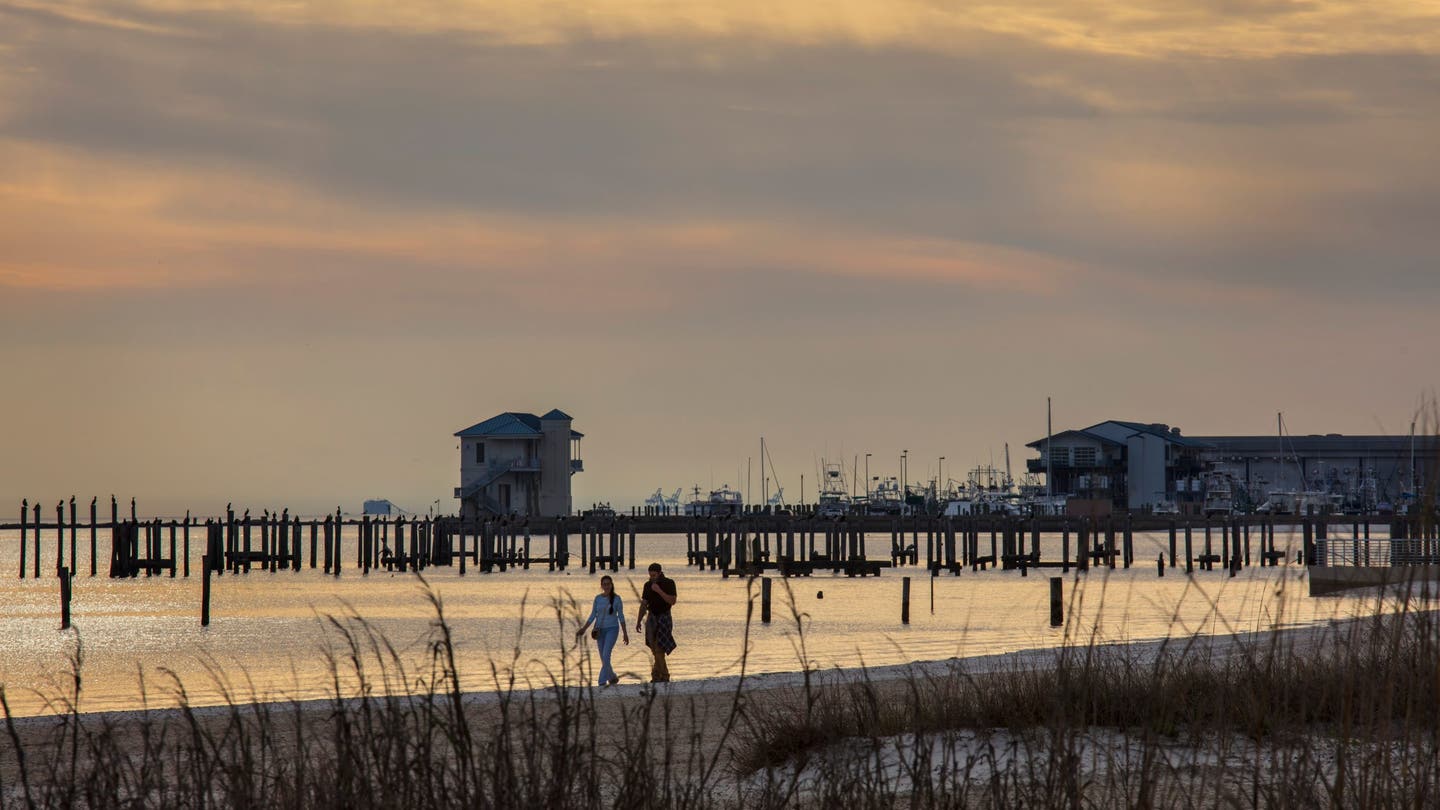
(1049, 490)
(765, 481)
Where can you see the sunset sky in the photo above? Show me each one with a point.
(277, 253)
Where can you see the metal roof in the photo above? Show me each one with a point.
(1164, 432)
(556, 414)
(1161, 431)
(512, 424)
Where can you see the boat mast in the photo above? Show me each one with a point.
(1049, 491)
(1414, 488)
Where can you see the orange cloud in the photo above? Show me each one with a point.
(1136, 27)
(80, 222)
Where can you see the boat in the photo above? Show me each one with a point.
(886, 499)
(1219, 495)
(986, 491)
(723, 502)
(834, 499)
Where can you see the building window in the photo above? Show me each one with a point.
(480, 452)
(1084, 457)
(1060, 456)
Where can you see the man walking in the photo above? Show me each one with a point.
(655, 603)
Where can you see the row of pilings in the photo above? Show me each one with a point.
(239, 543)
(794, 545)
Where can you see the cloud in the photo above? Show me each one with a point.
(211, 146)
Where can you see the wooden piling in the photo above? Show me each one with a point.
(765, 600)
(1065, 547)
(1057, 603)
(74, 560)
(905, 600)
(1189, 551)
(37, 539)
(205, 591)
(339, 529)
(59, 537)
(64, 598)
(24, 526)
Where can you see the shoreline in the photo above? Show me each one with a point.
(762, 682)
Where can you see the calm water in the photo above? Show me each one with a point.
(269, 633)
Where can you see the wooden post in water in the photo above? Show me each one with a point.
(64, 598)
(632, 546)
(245, 542)
(92, 536)
(905, 600)
(74, 560)
(59, 537)
(187, 543)
(1110, 541)
(37, 539)
(1129, 541)
(205, 591)
(1057, 601)
(1065, 547)
(339, 528)
(1209, 551)
(173, 566)
(24, 523)
(1160, 563)
(765, 600)
(314, 541)
(1189, 554)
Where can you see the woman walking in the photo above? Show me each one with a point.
(608, 616)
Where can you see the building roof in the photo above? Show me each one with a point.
(1066, 433)
(1165, 432)
(556, 414)
(512, 424)
(1097, 433)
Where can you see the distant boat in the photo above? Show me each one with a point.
(834, 498)
(886, 498)
(1219, 495)
(723, 502)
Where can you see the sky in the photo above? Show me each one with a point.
(277, 253)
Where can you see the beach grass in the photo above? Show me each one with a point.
(1347, 716)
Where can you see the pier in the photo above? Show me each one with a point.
(746, 544)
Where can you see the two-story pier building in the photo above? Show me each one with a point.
(518, 464)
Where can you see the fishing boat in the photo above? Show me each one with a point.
(1219, 495)
(886, 498)
(834, 500)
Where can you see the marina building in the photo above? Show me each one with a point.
(518, 464)
(1118, 465)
